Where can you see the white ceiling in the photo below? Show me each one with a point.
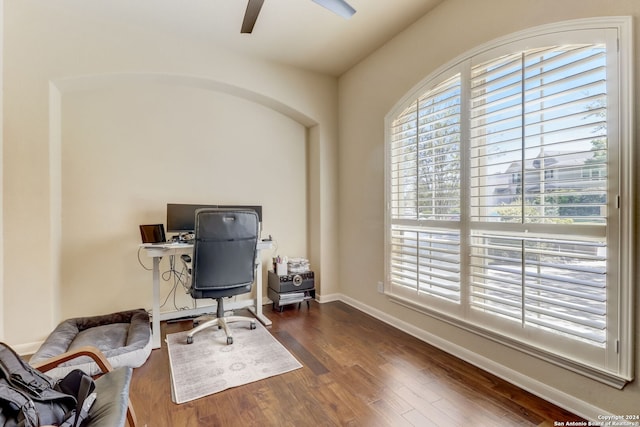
(294, 32)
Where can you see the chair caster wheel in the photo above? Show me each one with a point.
(229, 340)
(189, 340)
(252, 325)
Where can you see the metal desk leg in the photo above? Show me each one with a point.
(155, 312)
(257, 310)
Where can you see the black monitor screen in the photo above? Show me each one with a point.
(181, 218)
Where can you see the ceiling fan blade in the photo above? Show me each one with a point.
(339, 7)
(251, 15)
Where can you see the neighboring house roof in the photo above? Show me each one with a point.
(568, 164)
(555, 159)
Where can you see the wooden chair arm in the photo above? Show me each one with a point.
(89, 351)
(97, 356)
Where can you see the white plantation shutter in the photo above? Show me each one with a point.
(426, 261)
(557, 285)
(404, 151)
(538, 121)
(425, 189)
(503, 199)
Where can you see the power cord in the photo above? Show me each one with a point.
(140, 261)
(178, 277)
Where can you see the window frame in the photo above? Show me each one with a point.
(621, 345)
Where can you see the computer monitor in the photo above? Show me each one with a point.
(181, 218)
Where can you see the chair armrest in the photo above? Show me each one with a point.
(89, 351)
(97, 356)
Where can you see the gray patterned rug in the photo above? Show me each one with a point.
(209, 365)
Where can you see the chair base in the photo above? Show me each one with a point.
(221, 322)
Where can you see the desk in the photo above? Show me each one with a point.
(158, 251)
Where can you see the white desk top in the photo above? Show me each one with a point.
(167, 245)
(158, 249)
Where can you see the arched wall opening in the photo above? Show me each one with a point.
(121, 146)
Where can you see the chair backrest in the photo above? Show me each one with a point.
(224, 250)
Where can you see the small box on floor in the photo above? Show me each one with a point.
(291, 289)
(291, 282)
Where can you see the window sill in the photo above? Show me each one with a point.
(591, 372)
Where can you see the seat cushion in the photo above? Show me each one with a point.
(105, 337)
(110, 407)
(215, 293)
(124, 338)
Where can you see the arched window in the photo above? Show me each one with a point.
(492, 223)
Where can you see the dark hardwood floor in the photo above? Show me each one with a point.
(357, 371)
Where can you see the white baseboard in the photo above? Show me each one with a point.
(553, 395)
(330, 297)
(28, 348)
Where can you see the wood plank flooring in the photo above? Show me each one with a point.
(357, 371)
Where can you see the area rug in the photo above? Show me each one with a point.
(209, 365)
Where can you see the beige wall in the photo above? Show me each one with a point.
(69, 83)
(86, 102)
(366, 94)
(127, 151)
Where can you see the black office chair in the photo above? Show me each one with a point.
(223, 262)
